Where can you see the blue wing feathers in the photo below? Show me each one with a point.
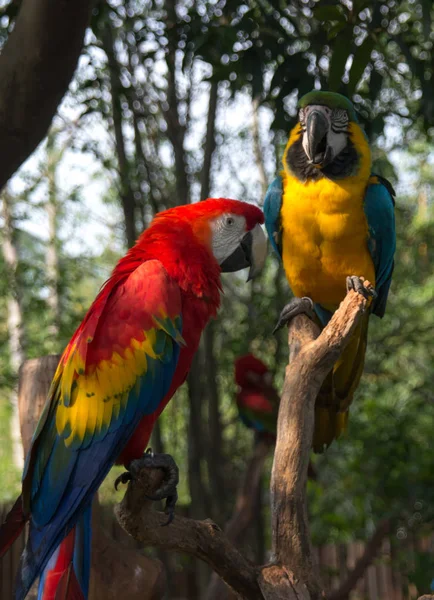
(380, 214)
(272, 206)
(85, 471)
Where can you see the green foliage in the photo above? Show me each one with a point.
(9, 474)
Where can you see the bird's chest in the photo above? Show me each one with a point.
(325, 235)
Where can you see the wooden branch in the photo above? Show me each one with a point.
(202, 539)
(36, 66)
(312, 355)
(371, 550)
(293, 574)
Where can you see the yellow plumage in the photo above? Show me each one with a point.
(102, 391)
(324, 240)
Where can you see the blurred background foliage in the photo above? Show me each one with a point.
(174, 101)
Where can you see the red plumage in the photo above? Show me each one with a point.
(163, 291)
(257, 400)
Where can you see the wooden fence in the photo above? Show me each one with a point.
(379, 582)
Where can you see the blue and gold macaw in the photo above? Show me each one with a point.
(331, 220)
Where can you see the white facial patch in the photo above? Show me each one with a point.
(227, 232)
(337, 133)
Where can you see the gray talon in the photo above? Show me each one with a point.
(296, 306)
(167, 489)
(357, 284)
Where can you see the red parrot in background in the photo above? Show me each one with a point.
(123, 364)
(257, 399)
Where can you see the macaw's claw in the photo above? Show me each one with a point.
(167, 489)
(297, 306)
(357, 284)
(124, 478)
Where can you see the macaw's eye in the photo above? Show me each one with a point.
(230, 221)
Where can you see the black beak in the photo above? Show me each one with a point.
(317, 127)
(251, 252)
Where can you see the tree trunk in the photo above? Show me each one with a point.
(126, 191)
(36, 66)
(200, 501)
(15, 319)
(214, 447)
(117, 571)
(210, 142)
(53, 246)
(175, 130)
(257, 147)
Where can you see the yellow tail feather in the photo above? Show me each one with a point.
(337, 391)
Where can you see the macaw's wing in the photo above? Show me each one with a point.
(272, 206)
(380, 214)
(118, 367)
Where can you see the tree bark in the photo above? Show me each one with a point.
(53, 246)
(175, 130)
(200, 504)
(259, 159)
(117, 571)
(126, 191)
(210, 142)
(293, 574)
(36, 66)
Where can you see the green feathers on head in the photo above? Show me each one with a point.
(330, 99)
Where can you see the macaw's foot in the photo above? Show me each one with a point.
(297, 306)
(168, 487)
(357, 284)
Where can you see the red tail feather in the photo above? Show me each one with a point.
(61, 582)
(12, 527)
(69, 588)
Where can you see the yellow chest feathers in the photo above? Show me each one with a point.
(325, 230)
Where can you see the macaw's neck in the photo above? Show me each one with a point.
(355, 157)
(188, 261)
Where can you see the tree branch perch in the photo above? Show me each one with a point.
(293, 572)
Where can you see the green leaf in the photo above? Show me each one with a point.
(329, 13)
(361, 59)
(341, 51)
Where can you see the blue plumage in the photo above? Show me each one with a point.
(84, 470)
(380, 214)
(272, 206)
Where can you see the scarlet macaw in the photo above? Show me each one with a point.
(331, 220)
(123, 364)
(257, 400)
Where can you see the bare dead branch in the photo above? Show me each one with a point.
(202, 539)
(36, 66)
(293, 573)
(312, 356)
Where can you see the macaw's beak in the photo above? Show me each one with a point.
(317, 150)
(251, 252)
